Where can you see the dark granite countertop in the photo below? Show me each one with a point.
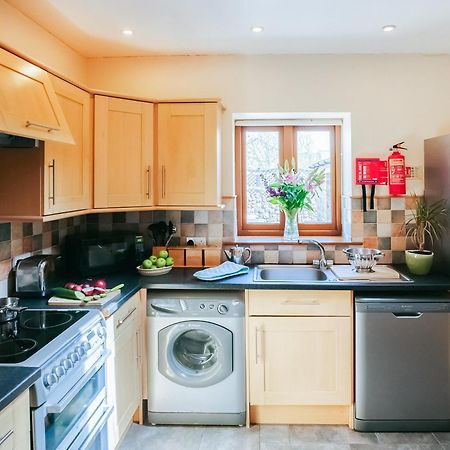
(14, 380)
(180, 279)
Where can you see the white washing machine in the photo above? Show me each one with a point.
(196, 363)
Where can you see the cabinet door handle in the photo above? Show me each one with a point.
(41, 125)
(148, 182)
(4, 438)
(51, 194)
(138, 346)
(258, 345)
(163, 178)
(122, 321)
(301, 303)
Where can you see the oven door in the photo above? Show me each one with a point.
(79, 423)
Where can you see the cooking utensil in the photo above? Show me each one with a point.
(363, 259)
(9, 308)
(236, 254)
(172, 230)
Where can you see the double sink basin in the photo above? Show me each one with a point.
(305, 274)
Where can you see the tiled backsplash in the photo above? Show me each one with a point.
(379, 228)
(18, 238)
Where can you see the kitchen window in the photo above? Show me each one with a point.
(259, 151)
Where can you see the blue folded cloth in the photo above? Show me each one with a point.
(225, 270)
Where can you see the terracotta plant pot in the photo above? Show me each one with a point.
(419, 262)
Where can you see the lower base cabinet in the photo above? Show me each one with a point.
(124, 367)
(300, 356)
(15, 424)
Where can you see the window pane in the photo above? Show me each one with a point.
(262, 152)
(314, 150)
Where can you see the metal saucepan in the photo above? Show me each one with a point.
(363, 259)
(9, 308)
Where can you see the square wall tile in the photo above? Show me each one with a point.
(5, 231)
(201, 217)
(384, 230)
(398, 243)
(271, 257)
(285, 257)
(215, 216)
(398, 216)
(370, 217)
(398, 203)
(299, 257)
(384, 216)
(187, 216)
(383, 203)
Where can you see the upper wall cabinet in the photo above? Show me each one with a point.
(123, 153)
(28, 103)
(69, 167)
(57, 177)
(188, 154)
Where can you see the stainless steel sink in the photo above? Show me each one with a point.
(292, 273)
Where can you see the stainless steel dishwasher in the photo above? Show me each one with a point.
(402, 362)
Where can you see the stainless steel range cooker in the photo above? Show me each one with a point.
(68, 402)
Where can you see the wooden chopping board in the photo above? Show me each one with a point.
(346, 272)
(69, 301)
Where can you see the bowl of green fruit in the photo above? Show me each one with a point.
(156, 265)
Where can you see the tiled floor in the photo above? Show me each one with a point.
(276, 437)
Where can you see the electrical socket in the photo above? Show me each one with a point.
(196, 241)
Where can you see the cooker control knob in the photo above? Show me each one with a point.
(74, 357)
(101, 332)
(67, 364)
(49, 380)
(59, 371)
(79, 349)
(86, 346)
(222, 309)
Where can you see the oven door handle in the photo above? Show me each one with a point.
(107, 410)
(59, 406)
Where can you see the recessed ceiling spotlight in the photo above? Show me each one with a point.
(388, 28)
(127, 32)
(257, 29)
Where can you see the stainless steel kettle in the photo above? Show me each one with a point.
(236, 254)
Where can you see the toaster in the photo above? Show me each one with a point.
(35, 275)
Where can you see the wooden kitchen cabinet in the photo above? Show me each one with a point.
(188, 154)
(300, 353)
(123, 157)
(124, 365)
(56, 177)
(15, 424)
(28, 104)
(68, 168)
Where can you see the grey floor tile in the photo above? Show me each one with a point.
(300, 434)
(274, 434)
(305, 446)
(443, 438)
(162, 438)
(396, 447)
(230, 438)
(407, 438)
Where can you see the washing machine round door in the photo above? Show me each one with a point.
(195, 353)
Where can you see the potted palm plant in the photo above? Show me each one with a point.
(428, 222)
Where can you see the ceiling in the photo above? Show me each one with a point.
(94, 27)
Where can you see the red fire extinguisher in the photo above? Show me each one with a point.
(397, 170)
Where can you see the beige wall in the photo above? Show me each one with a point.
(390, 98)
(26, 38)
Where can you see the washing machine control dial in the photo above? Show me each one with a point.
(222, 309)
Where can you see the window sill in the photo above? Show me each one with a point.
(278, 240)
